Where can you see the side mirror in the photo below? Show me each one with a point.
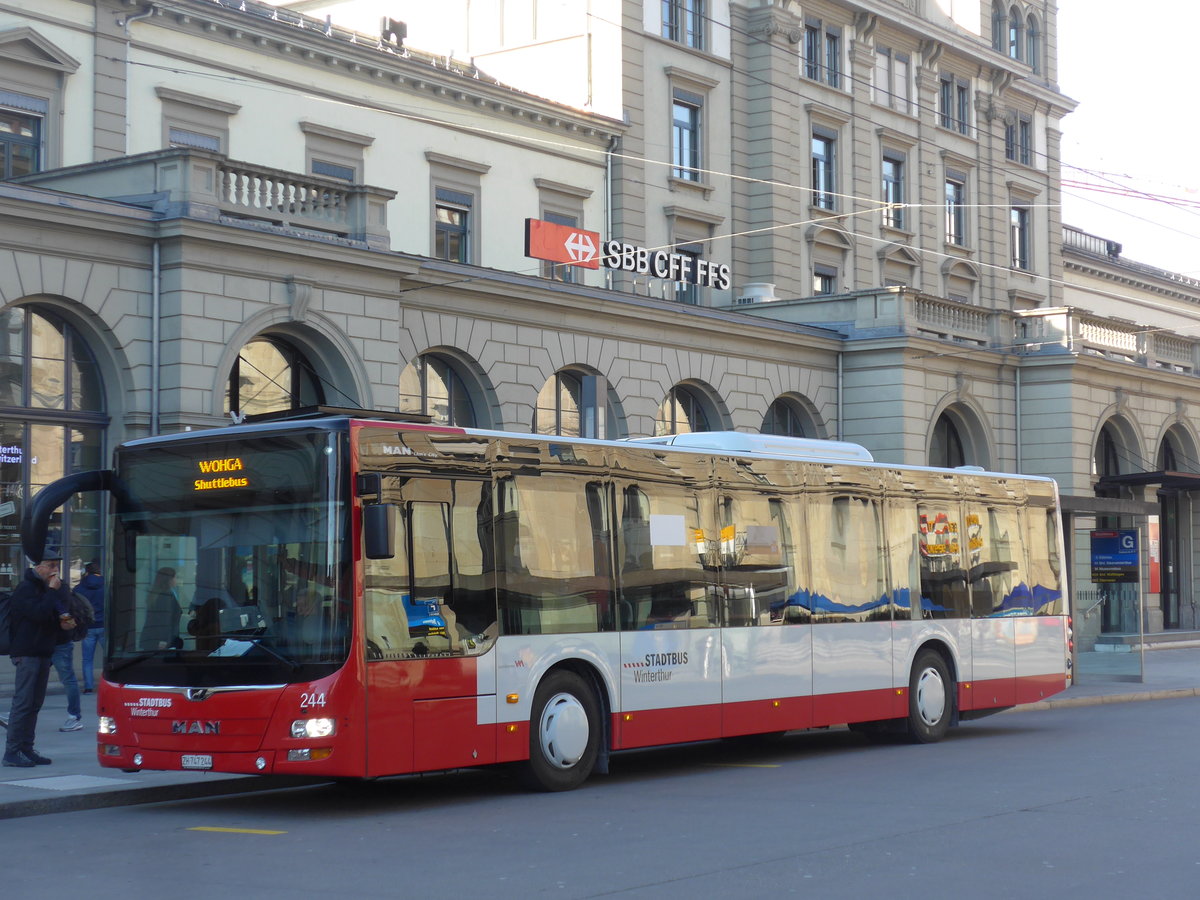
(379, 530)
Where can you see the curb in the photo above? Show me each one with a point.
(1105, 699)
(137, 796)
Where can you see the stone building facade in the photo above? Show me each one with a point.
(214, 208)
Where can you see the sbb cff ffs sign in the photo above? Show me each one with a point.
(666, 265)
(572, 246)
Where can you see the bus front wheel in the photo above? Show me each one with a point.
(930, 698)
(564, 734)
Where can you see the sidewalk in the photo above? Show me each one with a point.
(76, 781)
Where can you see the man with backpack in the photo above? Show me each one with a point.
(38, 616)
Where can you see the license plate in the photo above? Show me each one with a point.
(197, 762)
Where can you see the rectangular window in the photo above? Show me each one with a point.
(548, 530)
(452, 225)
(1018, 139)
(824, 280)
(998, 575)
(893, 191)
(683, 22)
(890, 81)
(1019, 237)
(20, 143)
(954, 104)
(333, 170)
(824, 181)
(685, 134)
(956, 210)
(687, 291)
(944, 592)
(823, 53)
(833, 58)
(182, 137)
(558, 271)
(849, 569)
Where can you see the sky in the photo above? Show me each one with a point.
(1133, 71)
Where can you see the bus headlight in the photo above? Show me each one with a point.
(108, 725)
(314, 728)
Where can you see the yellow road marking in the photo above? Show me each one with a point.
(745, 765)
(235, 830)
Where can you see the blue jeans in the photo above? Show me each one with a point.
(64, 663)
(29, 693)
(94, 636)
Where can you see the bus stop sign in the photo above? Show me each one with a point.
(1115, 557)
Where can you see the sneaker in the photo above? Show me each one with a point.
(87, 690)
(18, 760)
(73, 723)
(37, 758)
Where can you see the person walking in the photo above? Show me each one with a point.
(91, 586)
(63, 659)
(38, 615)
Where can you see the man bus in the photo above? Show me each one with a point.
(365, 596)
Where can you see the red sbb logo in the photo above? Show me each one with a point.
(562, 244)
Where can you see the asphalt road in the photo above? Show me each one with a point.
(1093, 802)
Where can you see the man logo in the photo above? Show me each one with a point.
(195, 727)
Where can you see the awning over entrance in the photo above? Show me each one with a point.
(1167, 480)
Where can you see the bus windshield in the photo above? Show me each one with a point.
(228, 563)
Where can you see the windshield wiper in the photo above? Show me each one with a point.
(260, 642)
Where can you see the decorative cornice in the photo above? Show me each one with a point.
(45, 53)
(298, 38)
(348, 137)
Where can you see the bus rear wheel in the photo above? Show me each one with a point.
(564, 734)
(930, 698)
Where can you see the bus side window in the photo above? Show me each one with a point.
(996, 557)
(903, 551)
(556, 574)
(944, 593)
(436, 596)
(849, 577)
(669, 558)
(385, 587)
(756, 581)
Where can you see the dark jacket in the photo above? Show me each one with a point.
(33, 617)
(162, 621)
(92, 587)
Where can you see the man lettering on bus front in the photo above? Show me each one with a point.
(38, 621)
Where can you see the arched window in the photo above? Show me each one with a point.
(271, 375)
(999, 26)
(563, 406)
(558, 406)
(1033, 44)
(52, 423)
(785, 418)
(681, 412)
(1016, 33)
(1107, 460)
(431, 386)
(1168, 459)
(946, 446)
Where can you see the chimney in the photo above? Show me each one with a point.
(756, 292)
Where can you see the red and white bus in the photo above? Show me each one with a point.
(360, 597)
